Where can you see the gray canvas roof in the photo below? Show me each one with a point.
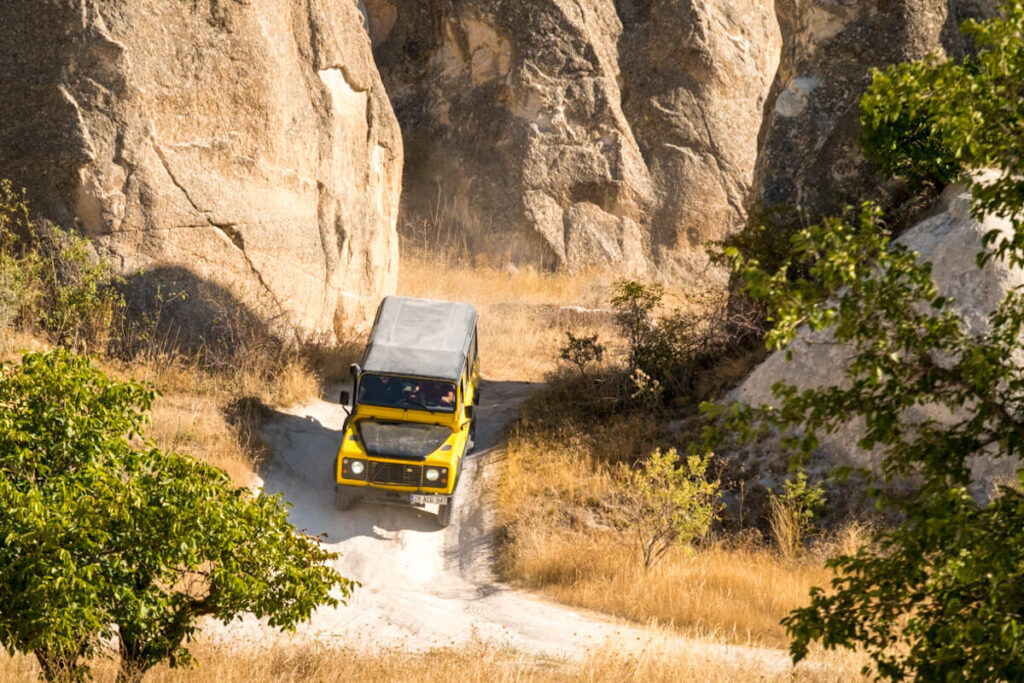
(420, 337)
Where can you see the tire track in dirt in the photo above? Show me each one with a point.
(424, 587)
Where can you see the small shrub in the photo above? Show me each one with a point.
(582, 352)
(675, 348)
(20, 288)
(80, 302)
(646, 390)
(666, 502)
(634, 303)
(51, 279)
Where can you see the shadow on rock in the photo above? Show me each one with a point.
(171, 309)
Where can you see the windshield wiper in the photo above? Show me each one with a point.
(406, 399)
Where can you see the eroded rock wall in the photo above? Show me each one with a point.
(579, 133)
(810, 156)
(248, 144)
(630, 132)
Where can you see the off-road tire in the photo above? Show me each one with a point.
(343, 500)
(444, 514)
(471, 441)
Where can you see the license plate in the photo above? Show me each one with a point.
(417, 499)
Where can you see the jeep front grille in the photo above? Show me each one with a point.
(395, 473)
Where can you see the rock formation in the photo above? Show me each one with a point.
(249, 144)
(579, 133)
(574, 133)
(809, 155)
(949, 240)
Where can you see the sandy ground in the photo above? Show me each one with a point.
(424, 587)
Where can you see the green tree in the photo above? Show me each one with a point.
(937, 596)
(921, 599)
(104, 536)
(933, 121)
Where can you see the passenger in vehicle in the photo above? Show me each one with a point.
(437, 394)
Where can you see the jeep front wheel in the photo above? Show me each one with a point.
(444, 514)
(343, 500)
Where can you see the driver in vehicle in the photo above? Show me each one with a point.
(380, 390)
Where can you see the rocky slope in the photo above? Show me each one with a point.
(809, 155)
(949, 240)
(247, 145)
(250, 145)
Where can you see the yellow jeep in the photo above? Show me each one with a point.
(413, 407)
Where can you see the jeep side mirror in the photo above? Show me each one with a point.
(469, 412)
(345, 398)
(354, 370)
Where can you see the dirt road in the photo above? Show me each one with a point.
(424, 587)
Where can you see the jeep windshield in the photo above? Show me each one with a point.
(401, 439)
(407, 393)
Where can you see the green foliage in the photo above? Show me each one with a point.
(666, 502)
(931, 121)
(51, 279)
(936, 599)
(581, 352)
(899, 117)
(101, 530)
(793, 511)
(909, 348)
(665, 351)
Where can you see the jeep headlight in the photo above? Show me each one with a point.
(351, 468)
(432, 474)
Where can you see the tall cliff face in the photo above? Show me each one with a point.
(809, 156)
(248, 144)
(574, 133)
(577, 133)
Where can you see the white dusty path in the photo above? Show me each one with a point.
(424, 587)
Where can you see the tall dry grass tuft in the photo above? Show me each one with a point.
(784, 523)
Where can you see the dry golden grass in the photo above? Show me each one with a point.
(557, 481)
(738, 595)
(524, 312)
(655, 662)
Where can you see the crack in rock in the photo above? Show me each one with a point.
(229, 230)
